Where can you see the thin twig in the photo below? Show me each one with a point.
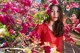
(27, 12)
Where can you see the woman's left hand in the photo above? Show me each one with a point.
(35, 40)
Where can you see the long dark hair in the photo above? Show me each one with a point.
(58, 25)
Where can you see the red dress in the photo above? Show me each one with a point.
(46, 35)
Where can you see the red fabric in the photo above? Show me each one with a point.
(46, 35)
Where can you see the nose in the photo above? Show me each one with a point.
(55, 15)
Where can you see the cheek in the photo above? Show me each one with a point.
(57, 15)
(52, 15)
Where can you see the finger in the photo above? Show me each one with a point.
(34, 37)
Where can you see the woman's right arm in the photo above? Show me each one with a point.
(36, 37)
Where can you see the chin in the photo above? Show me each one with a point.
(55, 19)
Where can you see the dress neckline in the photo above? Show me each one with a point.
(48, 27)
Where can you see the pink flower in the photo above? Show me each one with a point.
(45, 6)
(74, 5)
(34, 10)
(34, 51)
(77, 29)
(10, 4)
(55, 2)
(18, 0)
(73, 27)
(11, 31)
(36, 4)
(5, 44)
(5, 9)
(25, 27)
(6, 6)
(17, 4)
(33, 25)
(26, 2)
(48, 11)
(23, 11)
(34, 33)
(2, 18)
(74, 16)
(76, 21)
(68, 39)
(14, 9)
(47, 49)
(29, 18)
(67, 7)
(9, 21)
(64, 2)
(66, 29)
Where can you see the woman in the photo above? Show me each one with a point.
(51, 30)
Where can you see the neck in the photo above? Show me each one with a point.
(51, 23)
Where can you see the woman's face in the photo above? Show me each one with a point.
(54, 13)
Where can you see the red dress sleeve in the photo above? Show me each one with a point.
(39, 29)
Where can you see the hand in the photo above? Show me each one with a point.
(35, 40)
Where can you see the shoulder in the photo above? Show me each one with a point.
(41, 25)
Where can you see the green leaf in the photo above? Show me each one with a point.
(1, 25)
(68, 21)
(40, 16)
(6, 32)
(4, 0)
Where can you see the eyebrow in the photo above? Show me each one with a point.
(53, 10)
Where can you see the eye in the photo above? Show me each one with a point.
(57, 10)
(52, 11)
